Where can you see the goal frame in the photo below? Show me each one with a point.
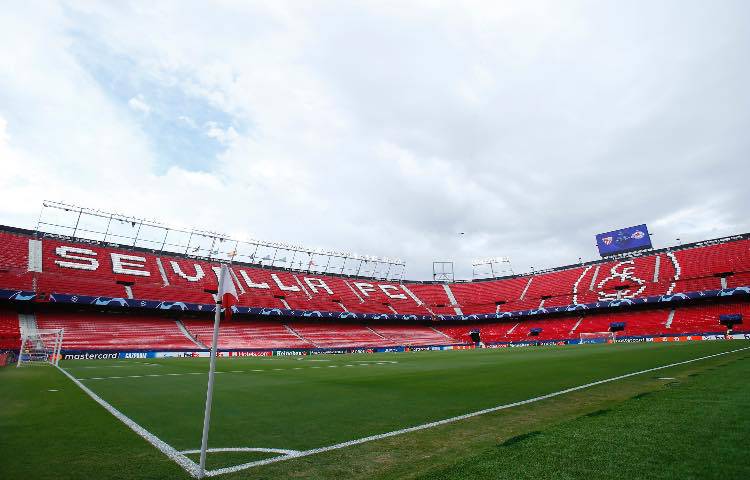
(597, 337)
(48, 353)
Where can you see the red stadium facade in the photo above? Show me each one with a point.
(109, 297)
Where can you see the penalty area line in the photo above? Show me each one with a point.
(180, 459)
(350, 443)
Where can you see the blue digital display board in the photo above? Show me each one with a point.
(623, 240)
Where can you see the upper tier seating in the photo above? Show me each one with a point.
(92, 331)
(14, 253)
(89, 269)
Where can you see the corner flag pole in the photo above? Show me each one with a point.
(210, 391)
(226, 291)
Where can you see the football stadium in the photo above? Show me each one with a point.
(549, 199)
(322, 371)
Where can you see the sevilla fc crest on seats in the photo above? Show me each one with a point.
(630, 278)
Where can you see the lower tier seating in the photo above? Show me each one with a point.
(109, 331)
(10, 335)
(244, 334)
(326, 335)
(99, 331)
(411, 335)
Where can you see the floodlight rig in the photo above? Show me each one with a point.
(67, 221)
(498, 267)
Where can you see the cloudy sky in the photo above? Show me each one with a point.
(385, 128)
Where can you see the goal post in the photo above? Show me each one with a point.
(597, 337)
(40, 347)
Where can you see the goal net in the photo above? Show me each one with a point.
(598, 337)
(41, 347)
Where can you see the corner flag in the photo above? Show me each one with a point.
(227, 291)
(226, 297)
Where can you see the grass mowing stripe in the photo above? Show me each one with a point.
(181, 460)
(371, 438)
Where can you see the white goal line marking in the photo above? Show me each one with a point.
(193, 469)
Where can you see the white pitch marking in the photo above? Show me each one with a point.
(245, 449)
(232, 371)
(314, 451)
(190, 466)
(665, 378)
(52, 390)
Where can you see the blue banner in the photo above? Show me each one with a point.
(603, 304)
(623, 240)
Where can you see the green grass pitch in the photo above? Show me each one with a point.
(687, 421)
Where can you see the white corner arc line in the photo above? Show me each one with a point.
(314, 451)
(190, 466)
(244, 449)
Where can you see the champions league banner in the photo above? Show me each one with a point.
(624, 240)
(740, 292)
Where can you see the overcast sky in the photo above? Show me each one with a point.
(385, 128)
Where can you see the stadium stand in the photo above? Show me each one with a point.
(411, 335)
(327, 335)
(94, 331)
(10, 334)
(243, 334)
(48, 265)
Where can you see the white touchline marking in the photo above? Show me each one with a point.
(190, 466)
(665, 378)
(52, 390)
(314, 451)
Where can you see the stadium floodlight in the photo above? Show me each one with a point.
(40, 347)
(597, 337)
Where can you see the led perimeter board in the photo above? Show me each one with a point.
(623, 240)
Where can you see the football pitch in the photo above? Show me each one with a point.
(608, 411)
